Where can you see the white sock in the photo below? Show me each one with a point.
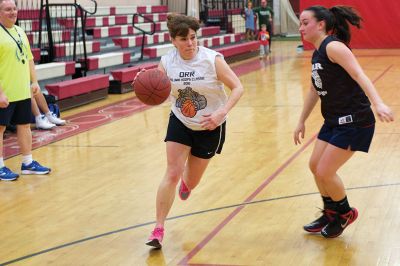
(27, 159)
(1, 162)
(48, 114)
(38, 117)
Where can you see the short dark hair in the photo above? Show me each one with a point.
(179, 25)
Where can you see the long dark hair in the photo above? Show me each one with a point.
(337, 20)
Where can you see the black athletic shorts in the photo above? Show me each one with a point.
(204, 143)
(344, 136)
(16, 113)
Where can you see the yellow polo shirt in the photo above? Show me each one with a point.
(14, 74)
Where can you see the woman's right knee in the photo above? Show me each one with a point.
(174, 174)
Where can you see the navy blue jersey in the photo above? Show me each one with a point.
(342, 99)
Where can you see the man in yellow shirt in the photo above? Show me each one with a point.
(17, 82)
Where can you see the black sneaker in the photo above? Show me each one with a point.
(317, 225)
(336, 227)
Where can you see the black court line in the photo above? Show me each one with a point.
(182, 216)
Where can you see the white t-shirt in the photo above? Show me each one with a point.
(195, 89)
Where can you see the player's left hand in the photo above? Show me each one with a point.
(384, 112)
(212, 121)
(137, 75)
(298, 133)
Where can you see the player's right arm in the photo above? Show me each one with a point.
(340, 54)
(309, 103)
(3, 99)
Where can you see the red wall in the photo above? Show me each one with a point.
(380, 26)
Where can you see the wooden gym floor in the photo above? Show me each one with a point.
(98, 205)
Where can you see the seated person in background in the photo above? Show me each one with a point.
(48, 120)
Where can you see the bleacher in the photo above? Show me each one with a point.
(113, 50)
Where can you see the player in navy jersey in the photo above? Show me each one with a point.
(346, 95)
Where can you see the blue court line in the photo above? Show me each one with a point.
(179, 217)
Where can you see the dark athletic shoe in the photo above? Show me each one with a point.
(336, 227)
(317, 225)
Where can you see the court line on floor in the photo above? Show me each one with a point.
(238, 206)
(184, 216)
(219, 227)
(382, 74)
(240, 69)
(235, 212)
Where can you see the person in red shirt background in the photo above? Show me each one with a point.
(263, 37)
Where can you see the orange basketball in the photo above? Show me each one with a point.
(152, 87)
(188, 109)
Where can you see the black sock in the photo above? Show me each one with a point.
(343, 206)
(328, 203)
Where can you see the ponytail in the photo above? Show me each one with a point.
(343, 16)
(337, 19)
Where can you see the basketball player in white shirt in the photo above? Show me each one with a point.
(199, 107)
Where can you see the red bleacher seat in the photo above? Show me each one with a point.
(107, 60)
(128, 74)
(149, 65)
(29, 13)
(55, 70)
(158, 9)
(122, 78)
(121, 30)
(63, 36)
(238, 49)
(67, 49)
(152, 16)
(70, 88)
(125, 75)
(160, 50)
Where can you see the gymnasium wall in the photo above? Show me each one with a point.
(380, 26)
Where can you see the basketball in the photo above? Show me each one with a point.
(152, 87)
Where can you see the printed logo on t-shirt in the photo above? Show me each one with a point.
(265, 13)
(190, 102)
(317, 79)
(264, 36)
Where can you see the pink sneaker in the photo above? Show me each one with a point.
(184, 191)
(156, 237)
